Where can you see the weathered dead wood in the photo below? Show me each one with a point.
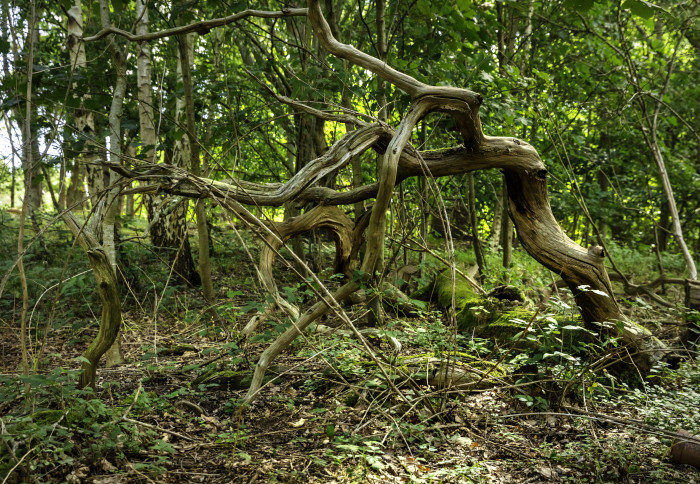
(526, 180)
(525, 174)
(106, 279)
(692, 294)
(320, 217)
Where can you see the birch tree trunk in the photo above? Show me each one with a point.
(83, 118)
(147, 121)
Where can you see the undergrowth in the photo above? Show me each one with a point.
(417, 398)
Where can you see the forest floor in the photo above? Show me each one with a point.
(172, 412)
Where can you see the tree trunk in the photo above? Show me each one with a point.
(604, 185)
(506, 234)
(169, 231)
(186, 50)
(374, 316)
(33, 191)
(114, 354)
(471, 204)
(497, 223)
(108, 287)
(147, 123)
(84, 119)
(677, 231)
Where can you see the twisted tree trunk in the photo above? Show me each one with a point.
(330, 218)
(525, 177)
(106, 278)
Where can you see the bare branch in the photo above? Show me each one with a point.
(403, 81)
(201, 28)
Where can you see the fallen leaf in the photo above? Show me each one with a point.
(298, 423)
(107, 466)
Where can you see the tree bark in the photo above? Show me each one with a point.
(27, 201)
(33, 191)
(506, 234)
(108, 287)
(186, 50)
(114, 354)
(471, 204)
(374, 315)
(83, 118)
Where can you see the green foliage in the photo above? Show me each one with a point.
(574, 81)
(59, 424)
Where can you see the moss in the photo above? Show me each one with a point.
(47, 417)
(177, 350)
(232, 379)
(494, 319)
(642, 330)
(504, 326)
(351, 399)
(464, 293)
(50, 417)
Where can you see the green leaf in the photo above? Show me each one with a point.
(641, 8)
(580, 5)
(486, 76)
(9, 102)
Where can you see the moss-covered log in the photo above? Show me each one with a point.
(489, 318)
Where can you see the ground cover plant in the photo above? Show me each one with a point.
(539, 407)
(261, 242)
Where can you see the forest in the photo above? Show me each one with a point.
(349, 241)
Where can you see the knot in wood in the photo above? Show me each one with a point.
(596, 251)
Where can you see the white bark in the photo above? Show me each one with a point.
(84, 119)
(145, 94)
